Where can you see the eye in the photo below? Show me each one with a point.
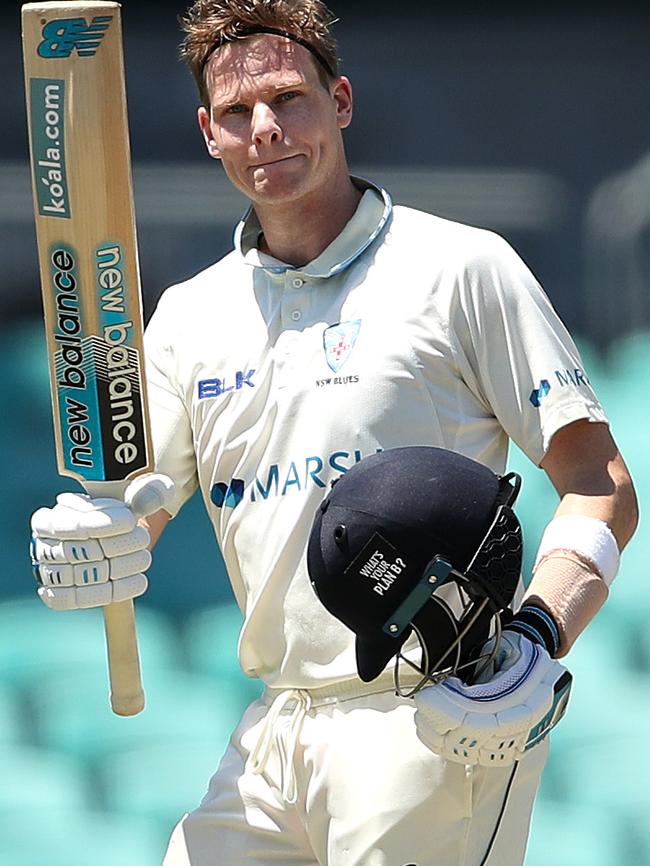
(288, 96)
(235, 109)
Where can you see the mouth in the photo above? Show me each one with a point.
(274, 162)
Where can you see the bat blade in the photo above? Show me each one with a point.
(88, 261)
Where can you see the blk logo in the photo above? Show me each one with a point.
(538, 394)
(227, 495)
(64, 35)
(217, 387)
(339, 341)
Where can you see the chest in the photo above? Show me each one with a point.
(348, 348)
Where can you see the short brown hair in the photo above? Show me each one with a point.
(210, 23)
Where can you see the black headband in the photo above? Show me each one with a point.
(274, 31)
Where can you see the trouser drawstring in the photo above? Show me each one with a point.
(286, 747)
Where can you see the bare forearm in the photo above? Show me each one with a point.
(592, 479)
(596, 517)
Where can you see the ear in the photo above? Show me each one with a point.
(342, 95)
(203, 117)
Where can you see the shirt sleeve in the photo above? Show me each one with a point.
(171, 430)
(515, 352)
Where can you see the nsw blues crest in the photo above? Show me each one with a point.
(339, 341)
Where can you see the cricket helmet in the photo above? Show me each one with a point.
(417, 539)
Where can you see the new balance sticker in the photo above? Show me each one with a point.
(339, 342)
(64, 35)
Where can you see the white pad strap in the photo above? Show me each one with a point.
(591, 539)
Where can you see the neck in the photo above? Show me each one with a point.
(297, 232)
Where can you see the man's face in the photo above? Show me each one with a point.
(271, 122)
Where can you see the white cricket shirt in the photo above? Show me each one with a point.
(266, 382)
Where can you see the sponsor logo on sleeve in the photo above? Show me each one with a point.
(538, 394)
(574, 378)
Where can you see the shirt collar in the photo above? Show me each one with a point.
(370, 217)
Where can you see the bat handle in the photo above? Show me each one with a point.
(127, 695)
(126, 692)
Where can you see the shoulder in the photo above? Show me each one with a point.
(208, 282)
(475, 269)
(458, 245)
(182, 304)
(181, 301)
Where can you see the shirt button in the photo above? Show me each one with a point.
(298, 283)
(296, 315)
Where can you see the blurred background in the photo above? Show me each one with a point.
(530, 120)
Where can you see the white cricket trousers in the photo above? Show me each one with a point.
(338, 777)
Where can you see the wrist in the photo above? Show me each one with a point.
(570, 591)
(538, 625)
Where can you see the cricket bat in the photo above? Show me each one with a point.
(85, 228)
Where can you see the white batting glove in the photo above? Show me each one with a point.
(494, 722)
(91, 552)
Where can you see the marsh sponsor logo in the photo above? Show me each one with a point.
(283, 479)
(47, 109)
(538, 394)
(228, 495)
(573, 378)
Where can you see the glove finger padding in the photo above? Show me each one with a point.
(77, 517)
(495, 722)
(86, 573)
(95, 595)
(47, 551)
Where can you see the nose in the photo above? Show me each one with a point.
(265, 127)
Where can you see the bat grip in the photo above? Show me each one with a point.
(127, 695)
(126, 692)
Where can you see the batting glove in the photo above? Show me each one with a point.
(91, 552)
(495, 722)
